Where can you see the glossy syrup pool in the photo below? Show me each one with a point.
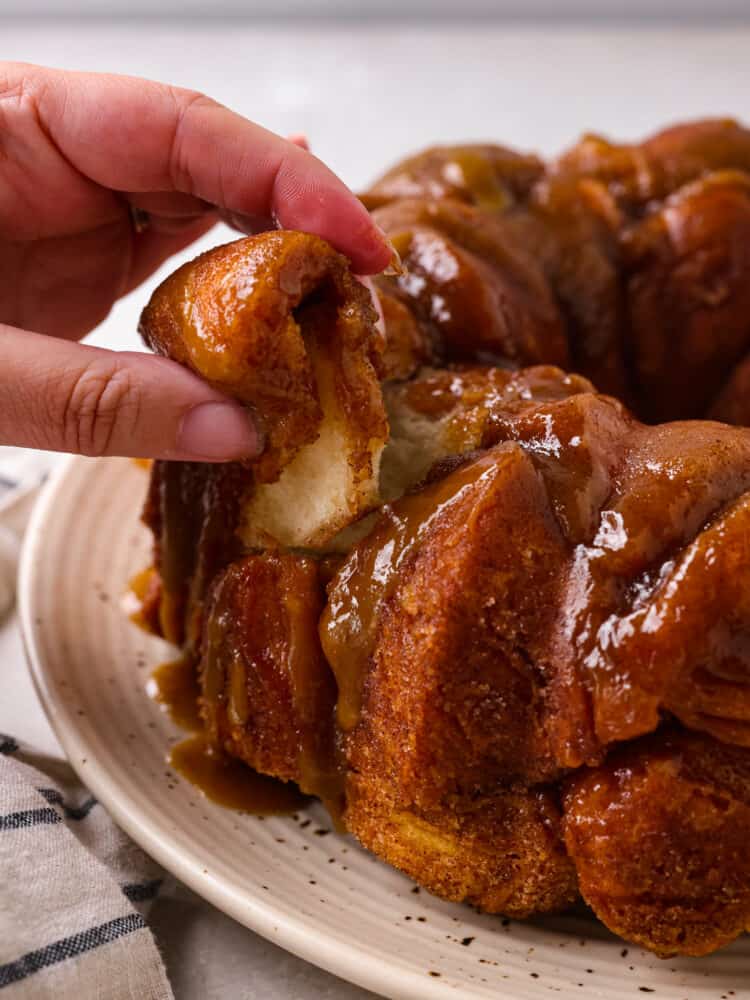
(174, 685)
(225, 780)
(231, 783)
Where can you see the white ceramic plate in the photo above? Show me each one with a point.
(308, 889)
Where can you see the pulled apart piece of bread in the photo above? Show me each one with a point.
(278, 322)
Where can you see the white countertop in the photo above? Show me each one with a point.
(366, 94)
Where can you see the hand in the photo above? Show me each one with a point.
(79, 152)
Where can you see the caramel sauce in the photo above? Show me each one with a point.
(183, 505)
(225, 780)
(328, 567)
(440, 391)
(140, 587)
(368, 577)
(293, 588)
(212, 664)
(230, 782)
(474, 171)
(316, 774)
(139, 584)
(174, 685)
(575, 446)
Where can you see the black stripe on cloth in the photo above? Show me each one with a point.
(71, 812)
(7, 744)
(29, 817)
(69, 947)
(139, 892)
(7, 482)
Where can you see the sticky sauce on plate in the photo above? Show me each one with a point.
(231, 783)
(222, 779)
(174, 685)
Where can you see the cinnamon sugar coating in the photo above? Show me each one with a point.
(487, 593)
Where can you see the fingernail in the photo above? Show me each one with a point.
(218, 432)
(394, 267)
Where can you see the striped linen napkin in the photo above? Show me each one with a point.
(74, 890)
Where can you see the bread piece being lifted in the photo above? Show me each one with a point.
(279, 323)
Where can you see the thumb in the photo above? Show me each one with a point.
(62, 396)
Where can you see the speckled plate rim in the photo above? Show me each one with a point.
(351, 959)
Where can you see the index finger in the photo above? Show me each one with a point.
(135, 135)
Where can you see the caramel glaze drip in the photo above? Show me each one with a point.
(147, 590)
(230, 782)
(260, 652)
(179, 487)
(174, 685)
(649, 516)
(222, 779)
(366, 580)
(192, 509)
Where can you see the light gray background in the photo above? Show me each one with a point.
(598, 10)
(366, 93)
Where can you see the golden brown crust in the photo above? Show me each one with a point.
(252, 317)
(491, 177)
(659, 838)
(471, 286)
(558, 607)
(267, 692)
(504, 853)
(443, 704)
(688, 273)
(626, 263)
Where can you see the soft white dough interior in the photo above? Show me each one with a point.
(311, 501)
(316, 504)
(415, 443)
(321, 490)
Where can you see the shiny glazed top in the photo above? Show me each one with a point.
(649, 550)
(627, 263)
